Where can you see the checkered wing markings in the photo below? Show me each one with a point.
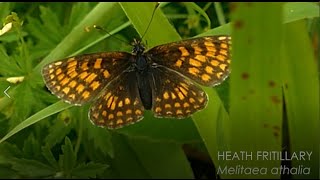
(79, 79)
(119, 105)
(205, 60)
(174, 95)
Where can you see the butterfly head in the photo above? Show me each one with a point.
(138, 47)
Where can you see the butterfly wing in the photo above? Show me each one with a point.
(119, 105)
(174, 95)
(80, 79)
(205, 60)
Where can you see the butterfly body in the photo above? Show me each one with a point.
(142, 66)
(123, 85)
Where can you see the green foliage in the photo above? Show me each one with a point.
(46, 166)
(273, 52)
(250, 43)
(42, 137)
(301, 93)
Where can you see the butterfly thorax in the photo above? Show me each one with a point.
(140, 62)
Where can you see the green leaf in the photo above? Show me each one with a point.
(255, 86)
(50, 22)
(162, 160)
(27, 93)
(4, 115)
(201, 11)
(301, 90)
(78, 11)
(5, 10)
(45, 44)
(31, 148)
(294, 11)
(89, 170)
(221, 30)
(101, 13)
(11, 36)
(160, 30)
(7, 173)
(111, 44)
(22, 111)
(57, 132)
(67, 160)
(8, 151)
(46, 30)
(46, 152)
(213, 126)
(59, 106)
(101, 138)
(219, 12)
(163, 129)
(8, 65)
(31, 168)
(123, 152)
(148, 159)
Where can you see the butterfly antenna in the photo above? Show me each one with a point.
(154, 10)
(111, 35)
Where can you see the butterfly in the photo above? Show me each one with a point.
(122, 85)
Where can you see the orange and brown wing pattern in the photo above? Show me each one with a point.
(80, 79)
(174, 95)
(205, 60)
(119, 105)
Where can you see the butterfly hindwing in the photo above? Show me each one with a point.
(119, 104)
(174, 95)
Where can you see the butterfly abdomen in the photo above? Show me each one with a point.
(143, 72)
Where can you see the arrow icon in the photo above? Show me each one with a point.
(5, 92)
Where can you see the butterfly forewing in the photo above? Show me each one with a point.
(80, 79)
(174, 95)
(119, 104)
(205, 60)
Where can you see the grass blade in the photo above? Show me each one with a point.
(255, 91)
(98, 15)
(54, 108)
(302, 96)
